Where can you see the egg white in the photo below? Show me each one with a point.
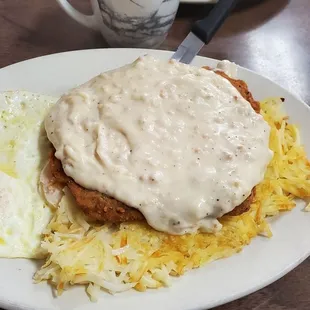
(24, 150)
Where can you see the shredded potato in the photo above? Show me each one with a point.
(133, 255)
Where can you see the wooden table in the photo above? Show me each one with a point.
(271, 37)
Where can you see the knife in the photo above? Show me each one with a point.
(203, 31)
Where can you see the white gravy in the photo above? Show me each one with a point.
(176, 142)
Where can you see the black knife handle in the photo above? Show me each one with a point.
(206, 28)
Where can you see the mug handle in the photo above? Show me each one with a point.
(88, 21)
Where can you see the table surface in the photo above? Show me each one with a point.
(270, 37)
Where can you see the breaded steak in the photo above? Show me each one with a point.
(100, 207)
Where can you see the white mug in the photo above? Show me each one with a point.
(128, 23)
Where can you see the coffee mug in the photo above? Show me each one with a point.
(128, 23)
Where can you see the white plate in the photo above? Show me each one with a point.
(259, 264)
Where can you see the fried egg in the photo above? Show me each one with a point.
(24, 150)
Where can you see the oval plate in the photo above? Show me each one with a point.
(259, 264)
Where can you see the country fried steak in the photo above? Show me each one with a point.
(100, 207)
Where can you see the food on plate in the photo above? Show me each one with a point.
(106, 132)
(101, 207)
(174, 142)
(132, 254)
(24, 146)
